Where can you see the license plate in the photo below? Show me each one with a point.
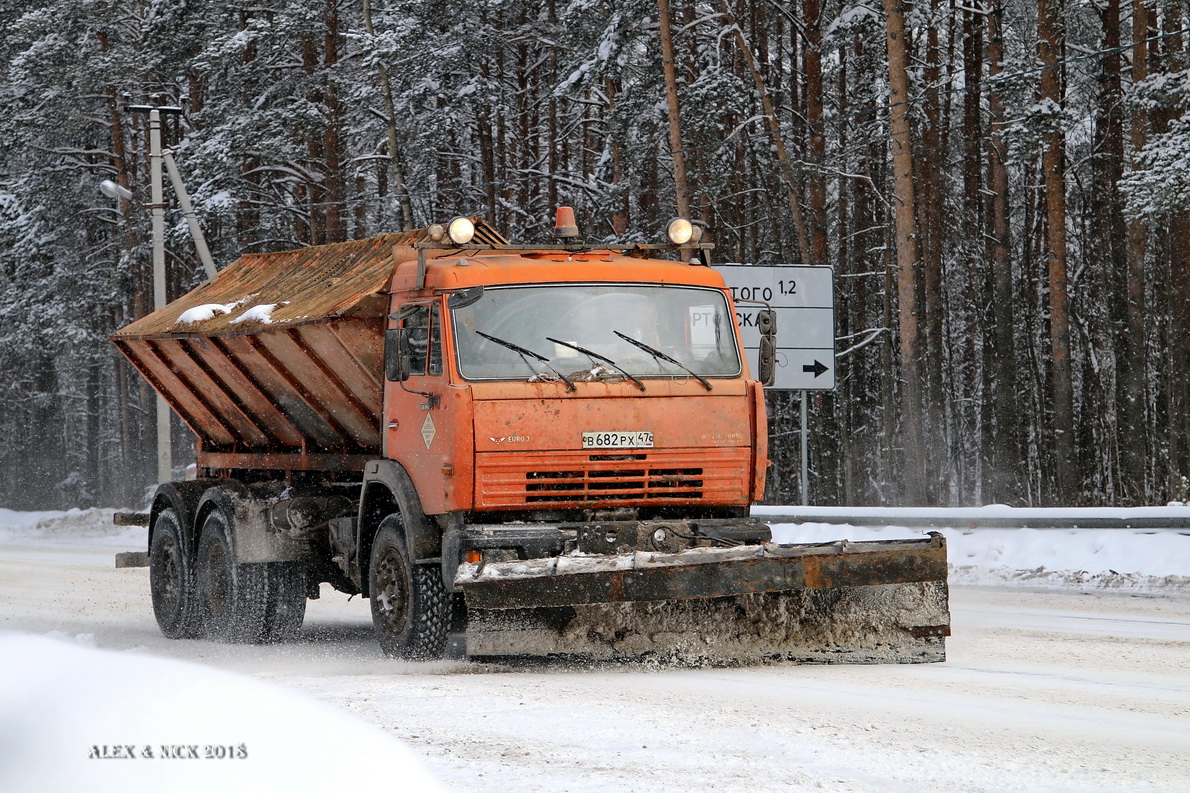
(615, 439)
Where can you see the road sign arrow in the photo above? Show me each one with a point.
(818, 368)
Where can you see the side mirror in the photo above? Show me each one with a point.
(398, 357)
(766, 323)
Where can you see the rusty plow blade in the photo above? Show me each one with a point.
(882, 601)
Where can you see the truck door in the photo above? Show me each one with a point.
(418, 433)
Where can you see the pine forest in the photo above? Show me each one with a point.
(1001, 187)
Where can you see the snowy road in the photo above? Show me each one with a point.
(1043, 691)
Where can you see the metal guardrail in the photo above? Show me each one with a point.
(1136, 519)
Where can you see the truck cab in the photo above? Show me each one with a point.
(564, 384)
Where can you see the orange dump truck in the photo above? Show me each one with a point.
(510, 450)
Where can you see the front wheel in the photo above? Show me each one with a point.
(410, 604)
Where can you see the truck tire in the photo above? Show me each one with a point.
(410, 605)
(171, 580)
(286, 608)
(234, 597)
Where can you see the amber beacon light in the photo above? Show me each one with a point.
(565, 225)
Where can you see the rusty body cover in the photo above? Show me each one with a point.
(277, 361)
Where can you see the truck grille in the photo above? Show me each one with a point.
(585, 479)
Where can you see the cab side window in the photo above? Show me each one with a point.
(425, 339)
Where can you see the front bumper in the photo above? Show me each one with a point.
(511, 542)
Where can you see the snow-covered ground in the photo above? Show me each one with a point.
(1067, 671)
(76, 718)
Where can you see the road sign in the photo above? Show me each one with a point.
(804, 299)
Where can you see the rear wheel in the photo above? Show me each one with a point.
(234, 597)
(410, 605)
(171, 580)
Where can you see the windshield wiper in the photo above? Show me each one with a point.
(521, 351)
(596, 356)
(663, 357)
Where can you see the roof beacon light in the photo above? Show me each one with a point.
(681, 231)
(461, 230)
(565, 225)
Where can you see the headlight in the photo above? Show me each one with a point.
(461, 230)
(681, 231)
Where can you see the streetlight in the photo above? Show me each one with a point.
(113, 190)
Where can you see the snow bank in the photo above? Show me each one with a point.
(959, 516)
(13, 522)
(76, 718)
(93, 526)
(1100, 558)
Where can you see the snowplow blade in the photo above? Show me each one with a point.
(842, 602)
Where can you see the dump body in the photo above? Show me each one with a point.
(276, 363)
(541, 450)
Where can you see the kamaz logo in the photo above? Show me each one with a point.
(510, 439)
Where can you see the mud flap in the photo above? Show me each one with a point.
(868, 602)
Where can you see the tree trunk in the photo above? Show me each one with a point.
(966, 425)
(1178, 369)
(1003, 436)
(336, 185)
(390, 124)
(846, 409)
(906, 243)
(933, 156)
(315, 193)
(1132, 388)
(770, 115)
(1050, 46)
(677, 150)
(817, 149)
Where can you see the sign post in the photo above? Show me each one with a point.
(804, 300)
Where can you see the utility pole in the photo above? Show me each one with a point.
(157, 204)
(200, 241)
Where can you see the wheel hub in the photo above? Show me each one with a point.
(391, 591)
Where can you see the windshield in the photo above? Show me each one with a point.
(691, 325)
